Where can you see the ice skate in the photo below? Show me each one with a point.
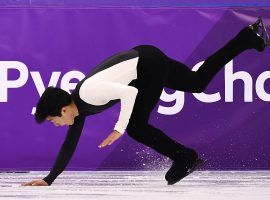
(177, 171)
(260, 29)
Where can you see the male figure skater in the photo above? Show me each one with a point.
(136, 78)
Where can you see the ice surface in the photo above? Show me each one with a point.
(200, 185)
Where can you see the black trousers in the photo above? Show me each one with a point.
(156, 70)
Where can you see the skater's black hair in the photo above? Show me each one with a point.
(51, 102)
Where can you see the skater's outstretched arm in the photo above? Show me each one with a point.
(67, 149)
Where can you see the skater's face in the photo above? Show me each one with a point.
(66, 118)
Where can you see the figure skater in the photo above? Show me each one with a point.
(135, 78)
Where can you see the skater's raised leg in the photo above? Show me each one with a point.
(180, 77)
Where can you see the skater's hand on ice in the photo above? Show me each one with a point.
(39, 182)
(110, 139)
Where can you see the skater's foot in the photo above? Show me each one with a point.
(178, 171)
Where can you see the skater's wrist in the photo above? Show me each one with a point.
(119, 129)
(47, 180)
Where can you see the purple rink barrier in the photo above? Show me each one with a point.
(228, 124)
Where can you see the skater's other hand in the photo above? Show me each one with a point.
(110, 139)
(39, 182)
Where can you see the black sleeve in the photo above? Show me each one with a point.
(67, 149)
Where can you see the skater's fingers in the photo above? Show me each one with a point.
(110, 139)
(108, 142)
(27, 183)
(101, 145)
(115, 137)
(104, 143)
(38, 182)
